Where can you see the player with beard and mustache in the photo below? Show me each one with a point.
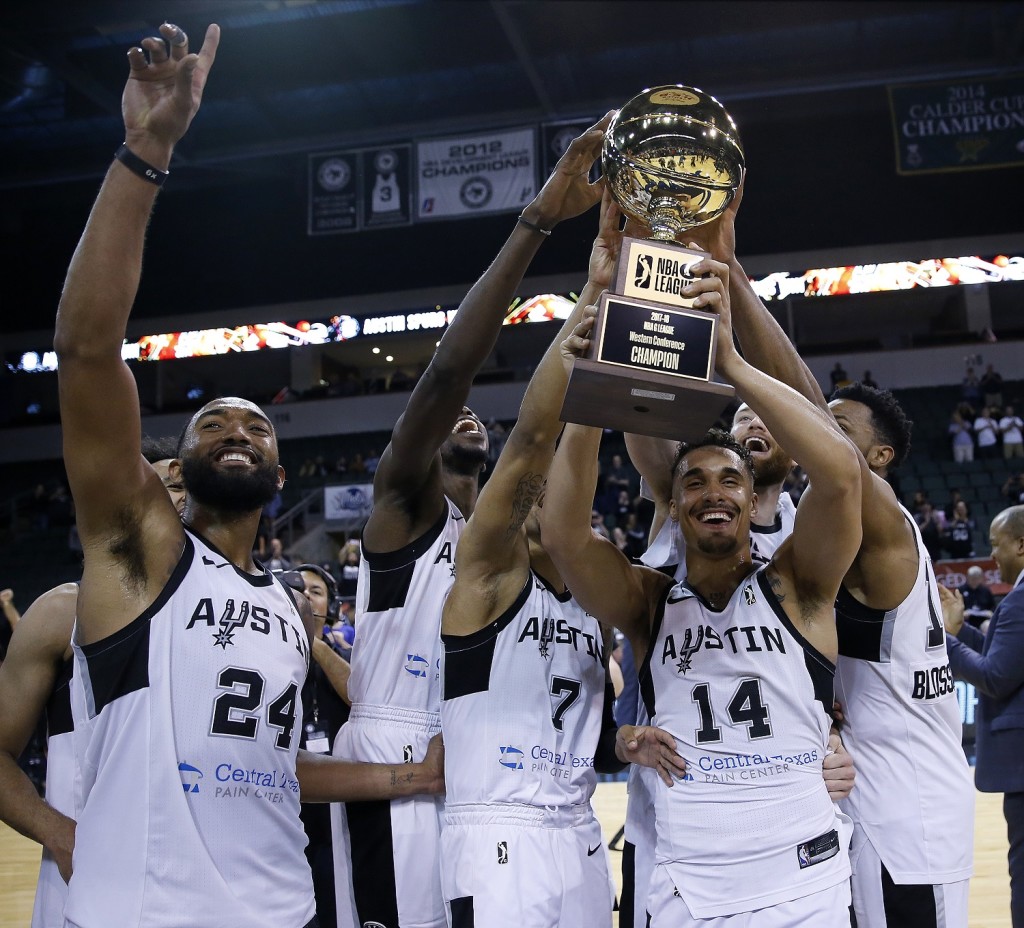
(387, 855)
(188, 655)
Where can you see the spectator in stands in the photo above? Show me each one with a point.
(979, 603)
(496, 436)
(358, 465)
(868, 380)
(9, 617)
(1010, 427)
(618, 477)
(960, 432)
(277, 560)
(959, 537)
(838, 376)
(636, 536)
(954, 498)
(308, 468)
(624, 506)
(371, 462)
(986, 431)
(341, 465)
(970, 389)
(1013, 490)
(597, 524)
(932, 529)
(992, 387)
(349, 570)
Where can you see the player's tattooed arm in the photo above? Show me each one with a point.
(775, 582)
(528, 490)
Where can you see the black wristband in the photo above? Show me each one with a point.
(139, 167)
(532, 225)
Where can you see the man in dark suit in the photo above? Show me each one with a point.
(994, 663)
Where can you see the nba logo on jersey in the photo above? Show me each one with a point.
(503, 852)
(748, 594)
(407, 754)
(190, 777)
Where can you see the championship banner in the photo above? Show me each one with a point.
(476, 175)
(333, 193)
(348, 507)
(965, 126)
(386, 185)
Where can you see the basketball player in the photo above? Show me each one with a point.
(913, 807)
(738, 659)
(188, 656)
(35, 679)
(769, 527)
(524, 677)
(387, 869)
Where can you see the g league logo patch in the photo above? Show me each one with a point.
(642, 272)
(503, 852)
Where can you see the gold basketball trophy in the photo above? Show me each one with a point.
(672, 159)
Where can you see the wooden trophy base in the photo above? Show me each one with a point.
(643, 402)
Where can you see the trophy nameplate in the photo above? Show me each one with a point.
(650, 362)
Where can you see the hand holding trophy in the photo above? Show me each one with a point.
(672, 160)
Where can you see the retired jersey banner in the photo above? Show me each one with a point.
(387, 186)
(333, 193)
(555, 138)
(477, 174)
(969, 125)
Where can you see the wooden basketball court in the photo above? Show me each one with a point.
(990, 888)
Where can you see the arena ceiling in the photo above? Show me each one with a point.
(805, 81)
(295, 76)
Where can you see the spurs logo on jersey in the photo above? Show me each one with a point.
(229, 616)
(561, 631)
(744, 695)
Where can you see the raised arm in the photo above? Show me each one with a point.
(764, 343)
(407, 484)
(603, 582)
(99, 401)
(827, 532)
(27, 678)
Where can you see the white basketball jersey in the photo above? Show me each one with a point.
(744, 694)
(669, 548)
(51, 890)
(396, 656)
(191, 802)
(523, 704)
(914, 795)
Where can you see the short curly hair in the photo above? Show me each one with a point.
(715, 438)
(887, 416)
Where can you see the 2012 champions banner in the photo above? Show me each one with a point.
(487, 172)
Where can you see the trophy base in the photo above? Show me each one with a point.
(643, 402)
